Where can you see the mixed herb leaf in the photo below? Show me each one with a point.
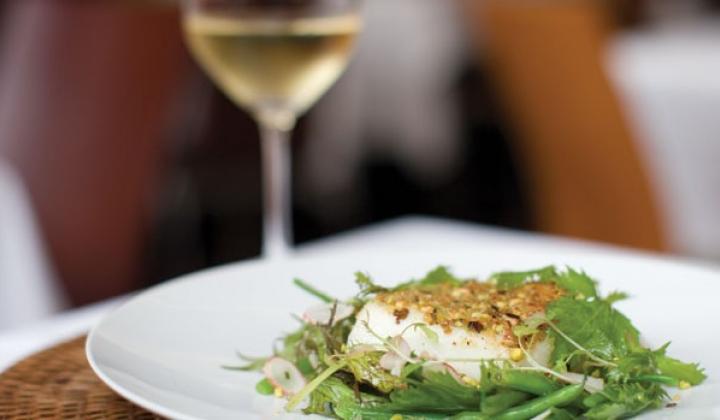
(598, 368)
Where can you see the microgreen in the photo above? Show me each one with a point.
(426, 330)
(313, 291)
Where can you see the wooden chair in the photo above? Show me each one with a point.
(584, 174)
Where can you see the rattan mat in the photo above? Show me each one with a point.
(58, 383)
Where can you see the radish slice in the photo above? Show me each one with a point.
(394, 361)
(390, 361)
(320, 314)
(284, 375)
(592, 385)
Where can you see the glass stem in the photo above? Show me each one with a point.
(277, 204)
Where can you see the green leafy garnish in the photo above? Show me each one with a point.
(593, 324)
(688, 372)
(591, 339)
(511, 279)
(614, 297)
(437, 276)
(577, 283)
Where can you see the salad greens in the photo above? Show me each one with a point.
(598, 368)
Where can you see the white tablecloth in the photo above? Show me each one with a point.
(401, 234)
(668, 79)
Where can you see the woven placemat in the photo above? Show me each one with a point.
(58, 383)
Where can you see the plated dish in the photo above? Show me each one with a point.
(164, 349)
(532, 344)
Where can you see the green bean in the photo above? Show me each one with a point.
(537, 406)
(593, 400)
(560, 414)
(370, 414)
(660, 379)
(502, 401)
(531, 382)
(470, 415)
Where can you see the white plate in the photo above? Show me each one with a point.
(164, 348)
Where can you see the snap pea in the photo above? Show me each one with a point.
(538, 405)
(531, 382)
(502, 401)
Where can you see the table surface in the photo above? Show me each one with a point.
(400, 234)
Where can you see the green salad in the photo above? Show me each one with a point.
(520, 345)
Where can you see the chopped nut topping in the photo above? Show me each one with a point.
(475, 326)
(477, 306)
(400, 314)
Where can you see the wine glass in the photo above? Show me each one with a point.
(273, 58)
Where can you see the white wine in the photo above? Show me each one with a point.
(276, 68)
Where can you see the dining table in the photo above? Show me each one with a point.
(406, 233)
(44, 370)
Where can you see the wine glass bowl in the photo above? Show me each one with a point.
(275, 59)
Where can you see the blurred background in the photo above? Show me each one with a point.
(122, 166)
